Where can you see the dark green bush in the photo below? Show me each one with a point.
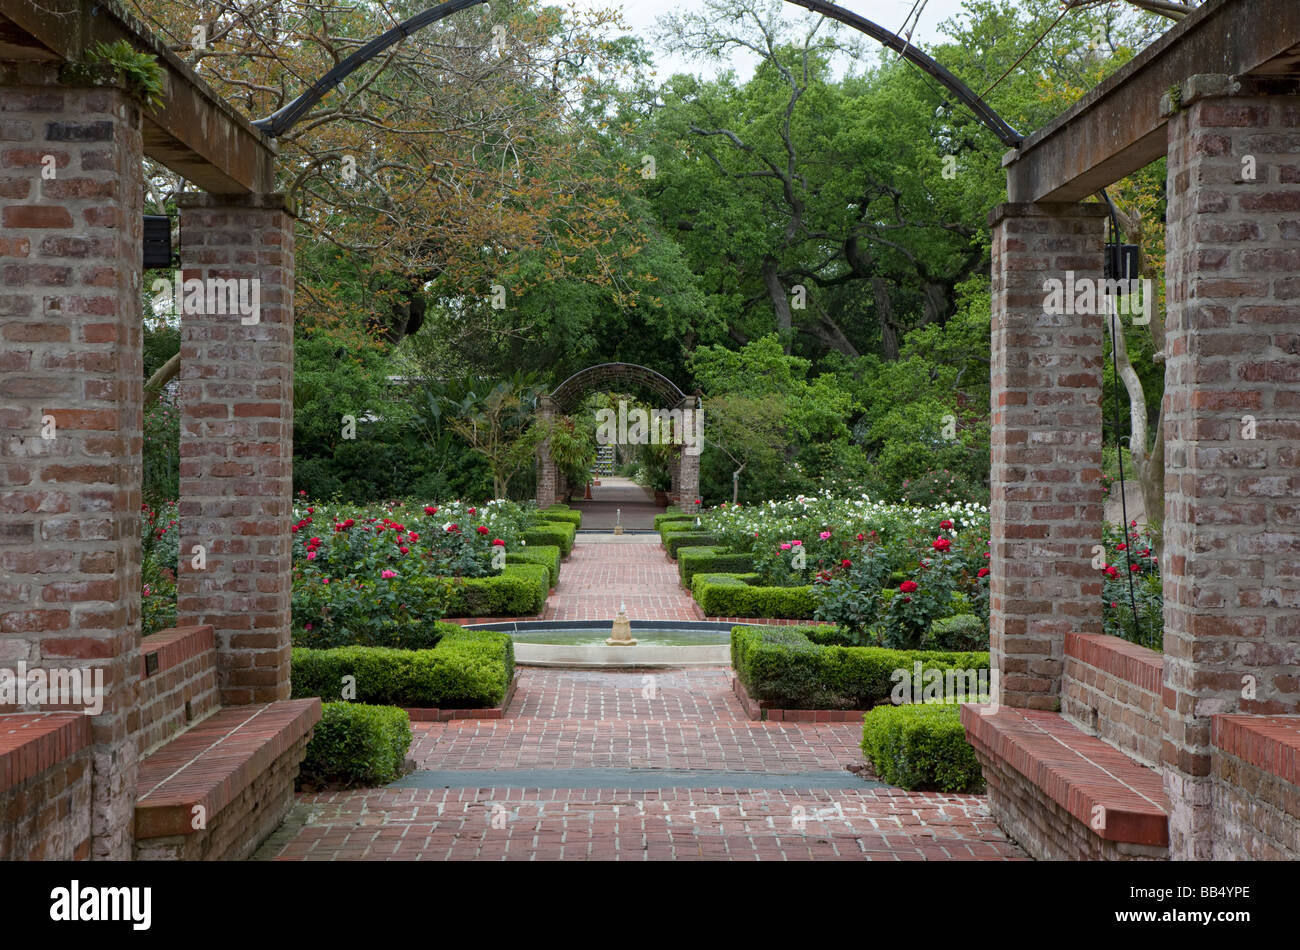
(356, 745)
(471, 669)
(961, 632)
(680, 539)
(731, 595)
(558, 533)
(545, 554)
(556, 514)
(782, 665)
(518, 591)
(407, 636)
(672, 514)
(711, 560)
(921, 746)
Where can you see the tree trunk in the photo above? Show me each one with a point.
(153, 389)
(885, 317)
(780, 300)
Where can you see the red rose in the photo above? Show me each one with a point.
(472, 510)
(984, 572)
(859, 537)
(294, 529)
(497, 542)
(945, 525)
(1111, 572)
(908, 587)
(349, 523)
(846, 563)
(404, 549)
(941, 544)
(1121, 547)
(413, 536)
(430, 510)
(482, 529)
(453, 527)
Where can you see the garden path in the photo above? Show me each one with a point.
(639, 766)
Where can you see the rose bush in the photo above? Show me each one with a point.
(1130, 552)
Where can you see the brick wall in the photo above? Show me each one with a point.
(1111, 689)
(180, 691)
(243, 824)
(70, 353)
(1232, 525)
(1046, 506)
(45, 789)
(1256, 788)
(236, 398)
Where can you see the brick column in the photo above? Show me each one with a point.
(688, 478)
(1232, 520)
(1046, 509)
(236, 464)
(548, 478)
(71, 381)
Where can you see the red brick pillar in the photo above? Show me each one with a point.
(688, 464)
(548, 477)
(236, 468)
(1232, 424)
(1046, 506)
(71, 381)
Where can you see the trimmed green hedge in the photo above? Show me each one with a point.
(469, 670)
(961, 632)
(709, 559)
(547, 555)
(558, 533)
(518, 591)
(921, 746)
(673, 514)
(410, 636)
(782, 665)
(733, 595)
(557, 515)
(356, 745)
(682, 539)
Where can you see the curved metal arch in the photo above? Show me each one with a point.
(566, 395)
(285, 118)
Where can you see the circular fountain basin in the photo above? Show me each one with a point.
(581, 643)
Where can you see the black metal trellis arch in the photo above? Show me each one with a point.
(285, 118)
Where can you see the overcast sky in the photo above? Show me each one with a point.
(642, 14)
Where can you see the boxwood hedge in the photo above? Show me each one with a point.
(467, 670)
(921, 746)
(784, 666)
(406, 636)
(558, 533)
(545, 554)
(356, 745)
(709, 559)
(735, 595)
(556, 514)
(518, 591)
(673, 540)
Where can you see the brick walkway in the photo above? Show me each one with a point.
(604, 571)
(653, 765)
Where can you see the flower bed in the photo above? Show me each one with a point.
(884, 573)
(1130, 555)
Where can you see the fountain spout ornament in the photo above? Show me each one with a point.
(618, 520)
(621, 634)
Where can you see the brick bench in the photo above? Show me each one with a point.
(1063, 794)
(1111, 688)
(216, 791)
(1256, 792)
(45, 775)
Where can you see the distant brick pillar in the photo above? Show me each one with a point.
(70, 332)
(1046, 508)
(236, 465)
(688, 465)
(548, 477)
(1232, 496)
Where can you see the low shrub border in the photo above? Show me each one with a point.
(782, 666)
(921, 746)
(555, 515)
(356, 745)
(558, 533)
(710, 560)
(735, 595)
(545, 554)
(408, 636)
(673, 514)
(518, 591)
(472, 669)
(694, 538)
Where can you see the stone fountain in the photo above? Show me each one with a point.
(621, 634)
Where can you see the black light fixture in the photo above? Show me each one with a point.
(1121, 261)
(157, 241)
